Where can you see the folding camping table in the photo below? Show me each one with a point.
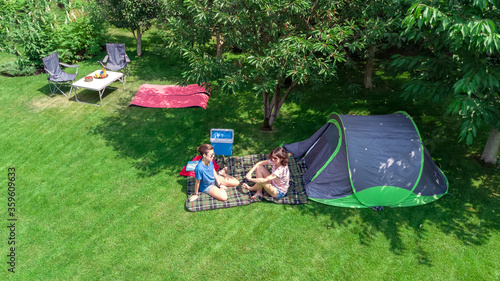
(97, 84)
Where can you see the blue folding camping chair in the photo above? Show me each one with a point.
(56, 76)
(116, 59)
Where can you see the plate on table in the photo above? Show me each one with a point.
(101, 77)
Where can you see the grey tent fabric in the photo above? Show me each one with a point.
(432, 181)
(315, 152)
(366, 161)
(378, 153)
(55, 75)
(300, 148)
(337, 184)
(116, 59)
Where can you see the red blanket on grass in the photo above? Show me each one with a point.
(171, 96)
(191, 173)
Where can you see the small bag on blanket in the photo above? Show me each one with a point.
(191, 165)
(196, 159)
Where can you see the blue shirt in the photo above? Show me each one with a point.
(205, 174)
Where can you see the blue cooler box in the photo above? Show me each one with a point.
(222, 141)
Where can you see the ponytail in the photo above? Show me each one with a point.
(202, 149)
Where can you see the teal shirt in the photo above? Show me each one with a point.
(205, 174)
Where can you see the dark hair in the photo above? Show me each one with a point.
(281, 153)
(202, 149)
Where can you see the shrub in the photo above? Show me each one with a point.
(17, 68)
(41, 27)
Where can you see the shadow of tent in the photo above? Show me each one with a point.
(452, 215)
(157, 139)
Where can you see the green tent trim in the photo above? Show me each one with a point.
(418, 188)
(337, 149)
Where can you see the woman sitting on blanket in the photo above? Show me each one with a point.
(207, 180)
(275, 183)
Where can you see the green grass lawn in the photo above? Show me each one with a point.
(98, 195)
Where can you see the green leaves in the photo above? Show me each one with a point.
(38, 29)
(279, 39)
(456, 41)
(429, 16)
(280, 44)
(132, 14)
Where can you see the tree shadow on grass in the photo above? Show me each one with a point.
(157, 139)
(151, 138)
(150, 67)
(157, 69)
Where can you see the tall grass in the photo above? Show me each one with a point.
(99, 196)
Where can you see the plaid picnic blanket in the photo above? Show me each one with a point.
(238, 166)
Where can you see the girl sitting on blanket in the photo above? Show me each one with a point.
(207, 180)
(275, 183)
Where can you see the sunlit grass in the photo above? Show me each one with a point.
(99, 196)
(5, 57)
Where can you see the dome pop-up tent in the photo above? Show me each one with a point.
(366, 161)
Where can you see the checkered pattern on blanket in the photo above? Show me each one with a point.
(238, 166)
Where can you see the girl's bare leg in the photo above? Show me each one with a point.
(251, 188)
(262, 172)
(273, 191)
(257, 187)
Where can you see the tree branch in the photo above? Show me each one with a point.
(265, 97)
(277, 105)
(282, 101)
(276, 95)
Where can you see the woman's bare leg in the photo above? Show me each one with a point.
(218, 193)
(223, 172)
(228, 181)
(256, 187)
(262, 172)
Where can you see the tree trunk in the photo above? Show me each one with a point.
(139, 42)
(369, 68)
(220, 41)
(490, 152)
(279, 103)
(272, 108)
(266, 126)
(267, 113)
